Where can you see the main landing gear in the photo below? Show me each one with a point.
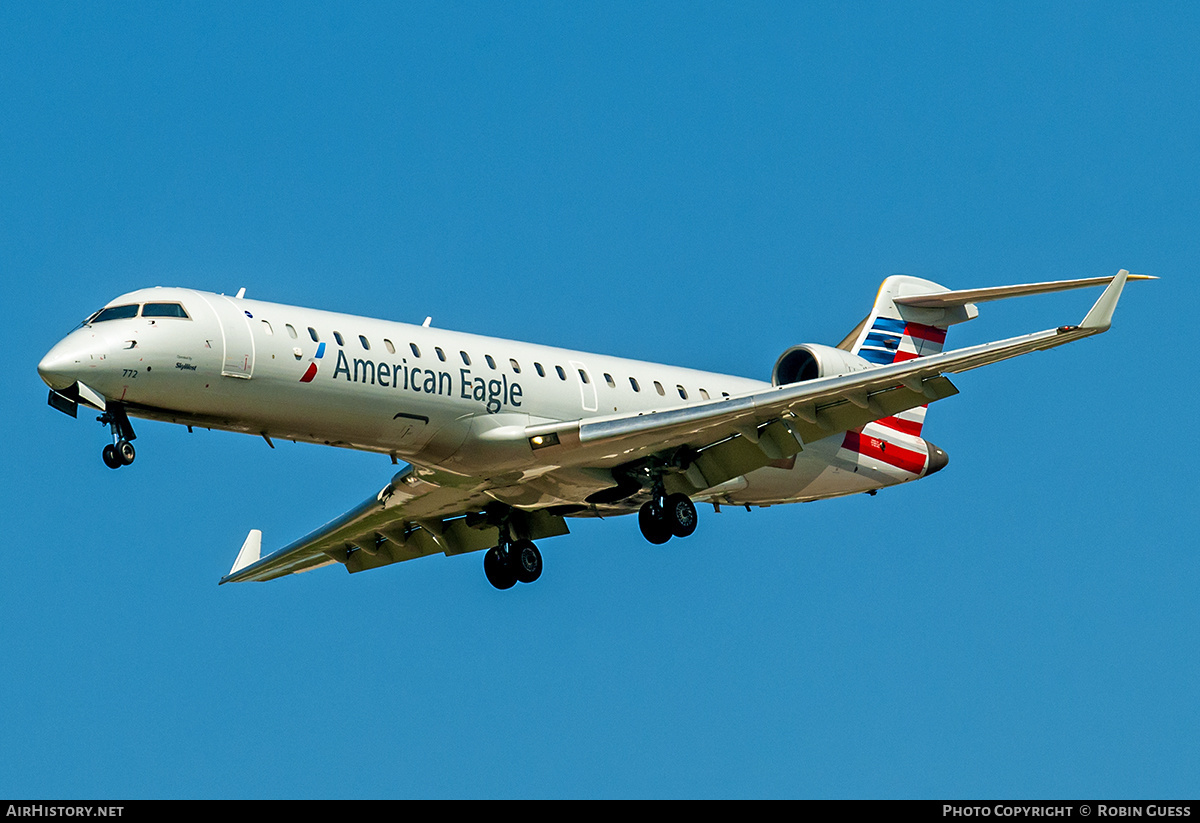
(511, 563)
(120, 452)
(667, 516)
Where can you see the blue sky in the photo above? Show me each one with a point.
(695, 184)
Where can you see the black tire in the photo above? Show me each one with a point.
(111, 458)
(126, 452)
(654, 524)
(500, 573)
(527, 561)
(681, 515)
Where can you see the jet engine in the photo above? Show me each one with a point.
(812, 360)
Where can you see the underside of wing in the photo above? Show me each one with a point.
(413, 516)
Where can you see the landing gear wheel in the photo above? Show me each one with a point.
(681, 515)
(654, 524)
(111, 458)
(499, 569)
(125, 452)
(527, 561)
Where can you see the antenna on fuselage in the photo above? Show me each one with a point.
(428, 320)
(241, 293)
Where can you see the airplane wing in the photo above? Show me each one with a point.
(412, 516)
(726, 438)
(421, 512)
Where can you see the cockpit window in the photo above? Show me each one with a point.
(163, 310)
(115, 313)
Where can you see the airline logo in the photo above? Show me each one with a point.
(884, 450)
(493, 394)
(894, 341)
(312, 364)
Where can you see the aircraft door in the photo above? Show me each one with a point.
(587, 386)
(236, 337)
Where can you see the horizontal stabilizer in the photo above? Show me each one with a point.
(947, 299)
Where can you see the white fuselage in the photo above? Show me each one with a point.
(427, 396)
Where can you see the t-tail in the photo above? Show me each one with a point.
(910, 319)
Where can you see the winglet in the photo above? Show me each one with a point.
(1100, 317)
(250, 553)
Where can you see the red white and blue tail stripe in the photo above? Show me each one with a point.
(891, 340)
(894, 333)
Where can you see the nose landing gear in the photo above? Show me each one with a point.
(121, 451)
(118, 454)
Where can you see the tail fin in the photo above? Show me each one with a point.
(893, 333)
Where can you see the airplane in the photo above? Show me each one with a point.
(505, 441)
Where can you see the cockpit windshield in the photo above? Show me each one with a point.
(163, 310)
(131, 310)
(114, 313)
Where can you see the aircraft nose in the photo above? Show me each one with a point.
(69, 359)
(938, 459)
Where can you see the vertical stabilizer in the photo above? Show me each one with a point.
(894, 333)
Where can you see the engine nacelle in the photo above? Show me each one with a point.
(812, 360)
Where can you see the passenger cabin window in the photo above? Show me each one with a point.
(115, 313)
(658, 388)
(516, 367)
(337, 335)
(634, 383)
(416, 352)
(441, 354)
(682, 392)
(291, 330)
(313, 334)
(608, 378)
(538, 367)
(491, 363)
(704, 394)
(387, 344)
(466, 360)
(562, 375)
(583, 376)
(266, 326)
(163, 310)
(362, 338)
